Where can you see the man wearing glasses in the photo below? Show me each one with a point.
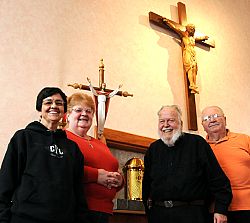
(233, 153)
(181, 174)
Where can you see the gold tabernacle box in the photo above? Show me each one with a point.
(133, 172)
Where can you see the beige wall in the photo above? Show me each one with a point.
(56, 42)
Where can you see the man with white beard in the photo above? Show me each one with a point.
(181, 175)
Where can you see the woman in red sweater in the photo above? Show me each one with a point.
(102, 179)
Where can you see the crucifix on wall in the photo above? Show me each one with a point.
(186, 32)
(102, 98)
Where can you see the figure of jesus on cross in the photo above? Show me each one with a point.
(102, 98)
(188, 38)
(188, 52)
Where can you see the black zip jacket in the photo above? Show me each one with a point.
(41, 177)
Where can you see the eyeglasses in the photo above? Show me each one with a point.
(50, 102)
(209, 117)
(81, 110)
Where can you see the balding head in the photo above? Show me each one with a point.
(214, 121)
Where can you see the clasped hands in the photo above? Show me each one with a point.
(109, 179)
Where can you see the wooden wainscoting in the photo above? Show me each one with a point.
(129, 143)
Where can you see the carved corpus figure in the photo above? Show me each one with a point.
(102, 98)
(188, 52)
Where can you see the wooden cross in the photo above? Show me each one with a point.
(101, 81)
(190, 96)
(105, 95)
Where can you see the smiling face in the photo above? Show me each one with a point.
(169, 125)
(80, 119)
(81, 109)
(213, 120)
(52, 111)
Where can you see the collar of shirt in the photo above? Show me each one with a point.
(228, 135)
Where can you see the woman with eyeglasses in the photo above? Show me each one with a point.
(102, 179)
(41, 174)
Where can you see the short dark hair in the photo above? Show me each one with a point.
(49, 91)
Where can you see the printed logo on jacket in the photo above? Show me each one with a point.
(56, 151)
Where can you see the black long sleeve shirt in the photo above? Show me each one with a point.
(187, 171)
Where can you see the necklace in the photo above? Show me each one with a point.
(88, 138)
(90, 145)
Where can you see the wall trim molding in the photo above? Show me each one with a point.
(126, 141)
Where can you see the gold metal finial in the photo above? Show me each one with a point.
(101, 73)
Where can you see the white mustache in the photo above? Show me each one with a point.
(167, 129)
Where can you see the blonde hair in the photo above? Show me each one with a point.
(80, 98)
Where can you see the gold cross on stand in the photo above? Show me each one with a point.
(189, 38)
